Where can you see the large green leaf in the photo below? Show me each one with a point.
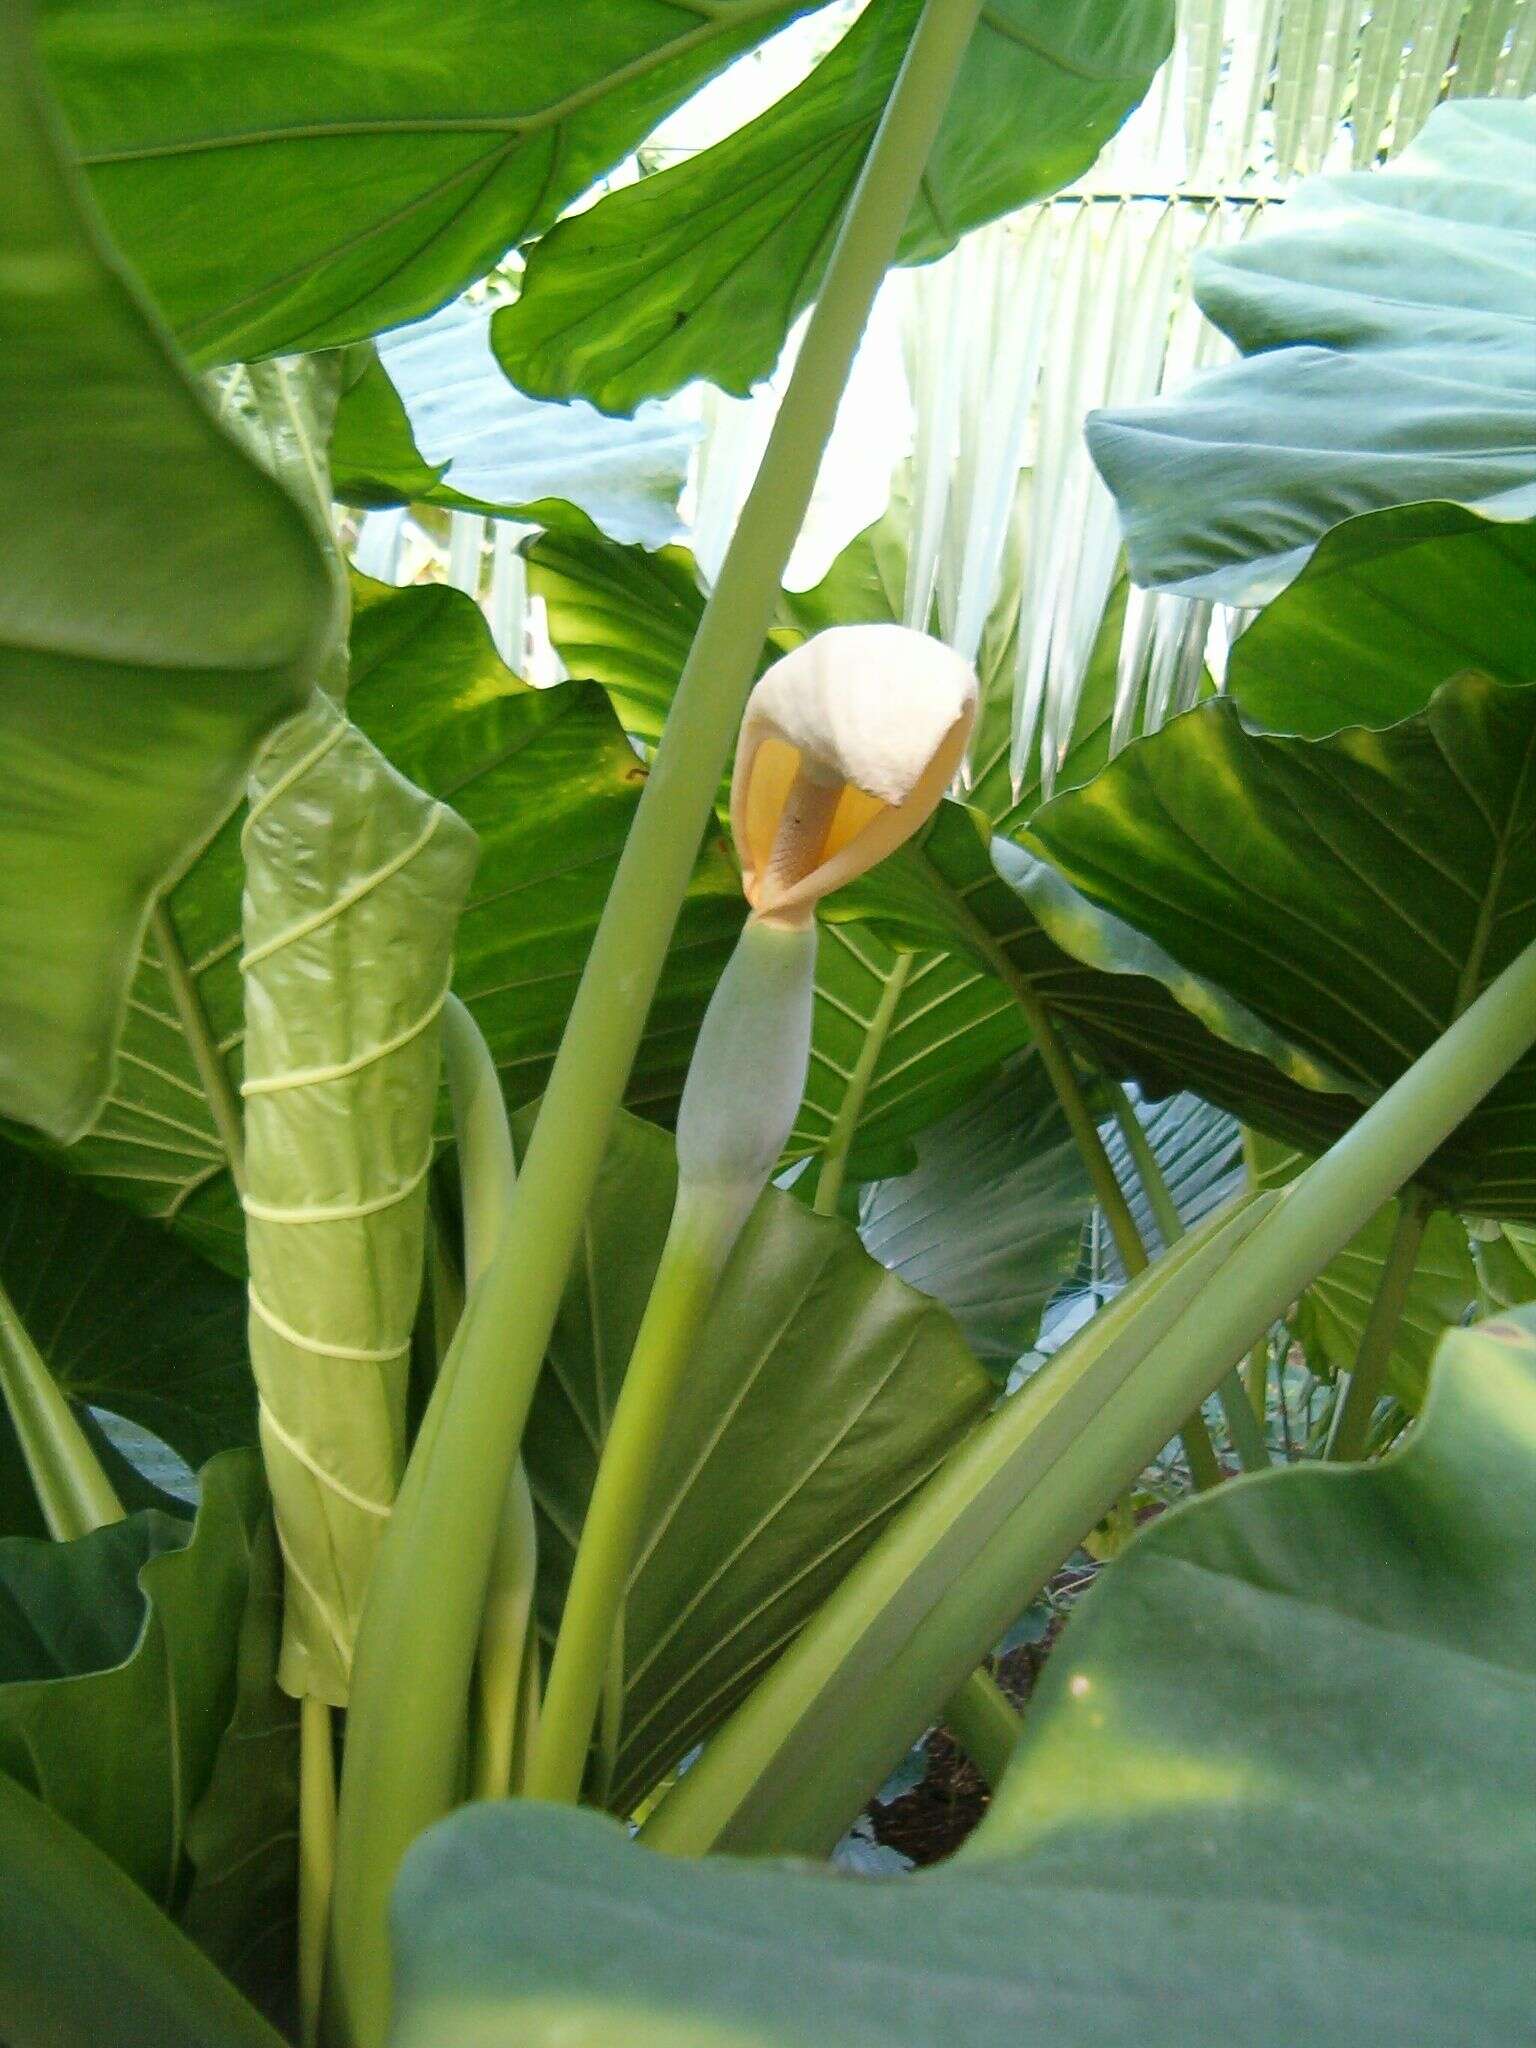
(1389, 606)
(822, 1393)
(700, 271)
(117, 1669)
(990, 1220)
(433, 419)
(163, 606)
(127, 1318)
(285, 177)
(1136, 1008)
(1386, 329)
(1355, 893)
(86, 1957)
(550, 785)
(1302, 1703)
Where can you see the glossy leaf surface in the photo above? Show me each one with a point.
(285, 179)
(1355, 893)
(701, 270)
(1389, 606)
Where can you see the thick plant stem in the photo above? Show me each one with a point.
(429, 1581)
(72, 1490)
(1199, 1451)
(1243, 1426)
(317, 1858)
(745, 1082)
(985, 1723)
(1256, 1379)
(876, 1662)
(505, 1639)
(1057, 1061)
(1165, 1211)
(1247, 1440)
(487, 1178)
(1352, 1419)
(834, 1160)
(692, 1259)
(218, 1088)
(1255, 1371)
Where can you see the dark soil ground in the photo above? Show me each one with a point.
(934, 1818)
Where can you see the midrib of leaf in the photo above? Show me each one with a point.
(714, 21)
(880, 1101)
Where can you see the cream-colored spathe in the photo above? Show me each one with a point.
(847, 745)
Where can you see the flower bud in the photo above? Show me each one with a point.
(846, 748)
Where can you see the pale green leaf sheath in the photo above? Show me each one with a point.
(354, 884)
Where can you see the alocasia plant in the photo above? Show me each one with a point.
(582, 1446)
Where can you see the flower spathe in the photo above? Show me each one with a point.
(847, 746)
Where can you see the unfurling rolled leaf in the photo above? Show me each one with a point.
(354, 884)
(846, 747)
